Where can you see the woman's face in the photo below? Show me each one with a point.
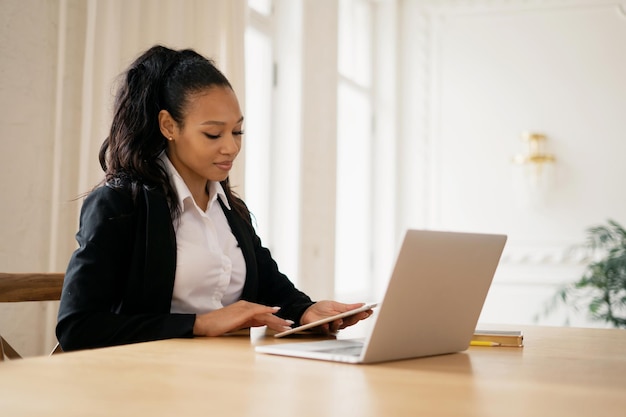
(205, 146)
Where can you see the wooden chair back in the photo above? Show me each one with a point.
(21, 287)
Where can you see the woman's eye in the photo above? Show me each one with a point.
(235, 133)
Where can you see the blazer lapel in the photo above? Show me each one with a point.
(160, 251)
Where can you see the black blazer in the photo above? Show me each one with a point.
(119, 282)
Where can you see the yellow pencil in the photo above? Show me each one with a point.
(483, 343)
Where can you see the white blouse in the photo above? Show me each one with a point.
(210, 267)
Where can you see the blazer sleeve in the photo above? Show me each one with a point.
(276, 289)
(92, 311)
(265, 284)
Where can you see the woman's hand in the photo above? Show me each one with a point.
(327, 308)
(239, 315)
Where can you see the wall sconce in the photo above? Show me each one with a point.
(535, 154)
(535, 157)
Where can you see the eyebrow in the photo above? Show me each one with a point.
(215, 122)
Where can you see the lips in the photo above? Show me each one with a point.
(225, 165)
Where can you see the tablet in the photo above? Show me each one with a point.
(326, 320)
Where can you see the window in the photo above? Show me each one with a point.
(353, 246)
(263, 7)
(272, 151)
(258, 116)
(363, 226)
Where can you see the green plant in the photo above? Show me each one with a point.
(602, 288)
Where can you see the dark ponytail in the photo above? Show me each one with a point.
(159, 79)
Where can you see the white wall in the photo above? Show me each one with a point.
(489, 71)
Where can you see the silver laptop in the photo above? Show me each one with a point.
(431, 307)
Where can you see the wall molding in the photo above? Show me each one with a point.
(542, 254)
(470, 6)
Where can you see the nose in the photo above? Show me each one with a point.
(231, 144)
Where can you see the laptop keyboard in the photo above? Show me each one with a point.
(344, 350)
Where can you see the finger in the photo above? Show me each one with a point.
(250, 309)
(247, 313)
(335, 325)
(349, 321)
(328, 327)
(353, 306)
(257, 309)
(273, 322)
(343, 308)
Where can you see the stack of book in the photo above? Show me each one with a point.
(505, 338)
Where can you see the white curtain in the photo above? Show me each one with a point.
(96, 41)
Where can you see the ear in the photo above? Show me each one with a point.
(167, 124)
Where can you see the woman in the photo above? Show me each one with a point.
(165, 248)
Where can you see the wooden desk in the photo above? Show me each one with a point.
(560, 372)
